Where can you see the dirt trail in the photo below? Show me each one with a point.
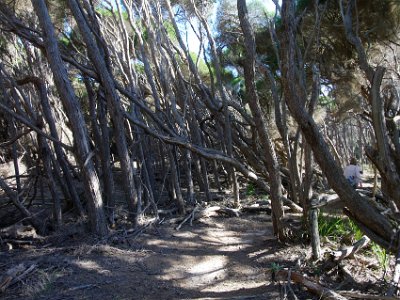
(218, 258)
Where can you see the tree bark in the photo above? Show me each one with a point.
(114, 102)
(252, 97)
(62, 160)
(67, 95)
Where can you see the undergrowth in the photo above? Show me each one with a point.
(343, 230)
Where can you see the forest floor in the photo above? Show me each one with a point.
(215, 257)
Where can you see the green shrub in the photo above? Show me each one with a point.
(250, 190)
(335, 228)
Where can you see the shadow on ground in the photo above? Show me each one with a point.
(217, 258)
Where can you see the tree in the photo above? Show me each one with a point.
(67, 95)
(271, 160)
(363, 210)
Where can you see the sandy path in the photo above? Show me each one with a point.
(218, 258)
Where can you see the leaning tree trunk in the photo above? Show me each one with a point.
(46, 159)
(74, 113)
(363, 211)
(61, 158)
(227, 115)
(115, 106)
(101, 136)
(252, 97)
(382, 157)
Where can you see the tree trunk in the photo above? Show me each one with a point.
(62, 160)
(362, 209)
(74, 113)
(46, 159)
(252, 97)
(114, 103)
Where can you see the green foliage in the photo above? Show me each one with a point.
(250, 190)
(275, 267)
(201, 66)
(327, 102)
(336, 228)
(170, 30)
(237, 81)
(64, 41)
(105, 12)
(358, 234)
(138, 66)
(231, 79)
(380, 254)
(332, 227)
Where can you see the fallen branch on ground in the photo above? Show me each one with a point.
(313, 287)
(190, 216)
(351, 250)
(14, 275)
(197, 213)
(325, 199)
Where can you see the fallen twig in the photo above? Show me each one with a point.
(190, 216)
(18, 242)
(24, 274)
(257, 208)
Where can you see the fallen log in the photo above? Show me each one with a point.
(313, 287)
(14, 275)
(349, 251)
(292, 206)
(325, 200)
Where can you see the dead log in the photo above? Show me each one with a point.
(18, 242)
(325, 200)
(292, 206)
(313, 287)
(18, 231)
(350, 250)
(216, 211)
(14, 275)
